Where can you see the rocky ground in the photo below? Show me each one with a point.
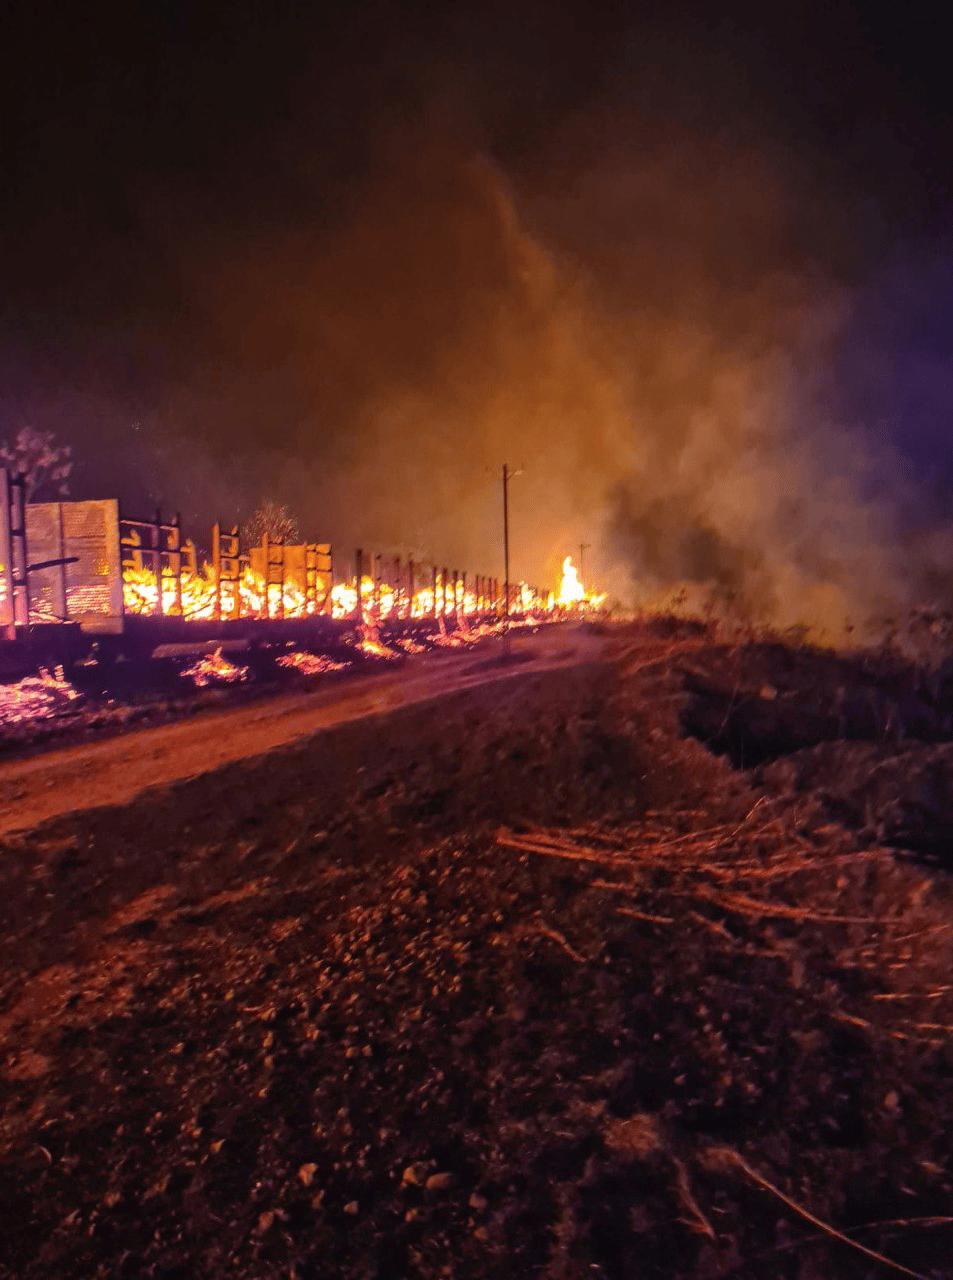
(639, 968)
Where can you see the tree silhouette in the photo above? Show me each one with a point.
(272, 520)
(44, 463)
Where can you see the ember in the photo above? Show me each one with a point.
(35, 697)
(213, 668)
(369, 642)
(465, 635)
(310, 664)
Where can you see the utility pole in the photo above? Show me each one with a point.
(508, 475)
(583, 548)
(506, 560)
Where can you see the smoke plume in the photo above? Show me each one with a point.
(666, 310)
(651, 335)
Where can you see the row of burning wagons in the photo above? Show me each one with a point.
(85, 563)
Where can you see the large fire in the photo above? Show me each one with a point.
(571, 590)
(572, 594)
(461, 618)
(380, 600)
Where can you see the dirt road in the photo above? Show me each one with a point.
(116, 770)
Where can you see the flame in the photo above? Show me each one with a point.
(379, 601)
(571, 590)
(35, 697)
(310, 664)
(214, 668)
(465, 635)
(372, 602)
(194, 597)
(369, 642)
(572, 594)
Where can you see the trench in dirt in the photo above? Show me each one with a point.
(870, 738)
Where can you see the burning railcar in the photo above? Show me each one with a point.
(83, 572)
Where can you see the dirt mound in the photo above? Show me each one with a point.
(867, 737)
(754, 703)
(899, 798)
(316, 1015)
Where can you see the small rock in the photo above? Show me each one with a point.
(265, 1221)
(352, 1207)
(414, 1175)
(439, 1181)
(478, 1202)
(636, 1136)
(306, 1174)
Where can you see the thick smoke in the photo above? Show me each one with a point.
(656, 321)
(650, 334)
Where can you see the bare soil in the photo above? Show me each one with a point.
(523, 981)
(237, 723)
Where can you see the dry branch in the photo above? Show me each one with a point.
(884, 1224)
(913, 995)
(742, 904)
(526, 845)
(644, 915)
(554, 935)
(696, 1219)
(722, 1156)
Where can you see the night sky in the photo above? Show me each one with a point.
(691, 269)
